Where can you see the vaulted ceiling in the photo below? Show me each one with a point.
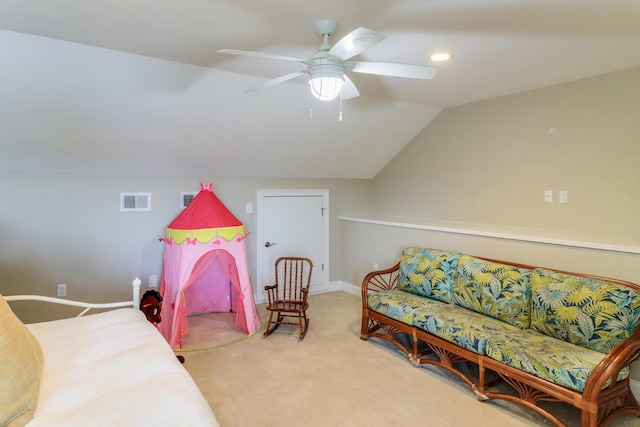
(137, 85)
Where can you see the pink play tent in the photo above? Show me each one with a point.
(205, 268)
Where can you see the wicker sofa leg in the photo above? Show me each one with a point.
(617, 404)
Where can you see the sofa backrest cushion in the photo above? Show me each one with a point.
(428, 272)
(589, 312)
(498, 290)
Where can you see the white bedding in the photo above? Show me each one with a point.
(114, 369)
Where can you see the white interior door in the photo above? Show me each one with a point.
(293, 223)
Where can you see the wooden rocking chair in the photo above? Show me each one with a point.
(288, 296)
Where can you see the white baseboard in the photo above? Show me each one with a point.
(348, 288)
(324, 288)
(337, 285)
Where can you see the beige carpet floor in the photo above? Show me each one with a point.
(332, 378)
(211, 330)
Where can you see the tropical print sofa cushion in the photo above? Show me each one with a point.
(497, 290)
(554, 360)
(589, 312)
(428, 272)
(465, 328)
(398, 305)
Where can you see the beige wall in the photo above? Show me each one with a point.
(487, 164)
(490, 162)
(364, 244)
(67, 228)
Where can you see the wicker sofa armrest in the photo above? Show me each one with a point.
(607, 371)
(607, 397)
(380, 280)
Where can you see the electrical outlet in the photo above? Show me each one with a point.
(375, 266)
(548, 196)
(62, 290)
(153, 281)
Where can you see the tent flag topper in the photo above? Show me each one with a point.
(205, 268)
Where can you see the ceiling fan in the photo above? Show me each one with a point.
(327, 66)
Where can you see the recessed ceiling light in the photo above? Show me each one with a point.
(441, 56)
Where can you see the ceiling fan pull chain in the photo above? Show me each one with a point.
(310, 98)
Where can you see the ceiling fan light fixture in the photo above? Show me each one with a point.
(326, 81)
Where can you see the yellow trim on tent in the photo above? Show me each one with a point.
(204, 235)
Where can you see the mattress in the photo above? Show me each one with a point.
(114, 369)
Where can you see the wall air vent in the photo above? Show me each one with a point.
(186, 197)
(135, 202)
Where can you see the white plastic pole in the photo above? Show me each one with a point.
(136, 292)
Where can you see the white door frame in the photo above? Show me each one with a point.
(261, 194)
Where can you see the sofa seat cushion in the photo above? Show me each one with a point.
(546, 357)
(398, 305)
(589, 312)
(428, 272)
(497, 290)
(465, 328)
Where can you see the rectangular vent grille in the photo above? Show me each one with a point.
(186, 197)
(135, 202)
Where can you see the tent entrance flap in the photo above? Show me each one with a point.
(211, 285)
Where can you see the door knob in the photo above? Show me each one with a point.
(266, 245)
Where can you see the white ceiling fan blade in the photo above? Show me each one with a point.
(261, 55)
(349, 90)
(277, 80)
(392, 69)
(355, 43)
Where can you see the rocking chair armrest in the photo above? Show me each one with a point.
(272, 293)
(305, 293)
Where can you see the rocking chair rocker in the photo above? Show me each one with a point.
(288, 296)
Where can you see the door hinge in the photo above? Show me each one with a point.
(322, 267)
(322, 211)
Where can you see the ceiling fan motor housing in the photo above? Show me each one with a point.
(326, 80)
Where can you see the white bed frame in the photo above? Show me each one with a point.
(135, 302)
(118, 359)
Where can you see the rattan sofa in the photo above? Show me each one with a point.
(512, 331)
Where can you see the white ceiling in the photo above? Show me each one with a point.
(137, 85)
